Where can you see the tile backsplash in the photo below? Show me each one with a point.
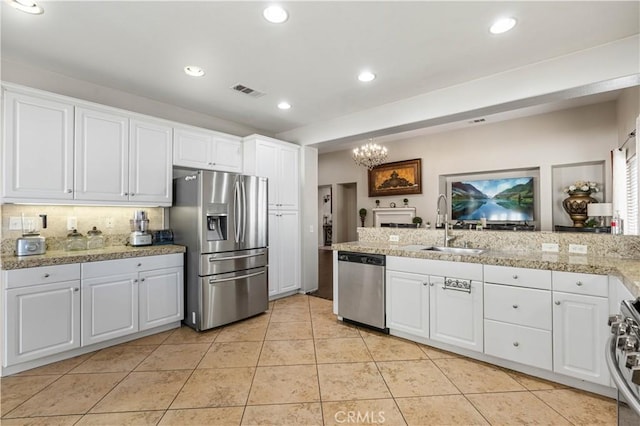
(86, 217)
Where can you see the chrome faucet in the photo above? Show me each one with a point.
(447, 238)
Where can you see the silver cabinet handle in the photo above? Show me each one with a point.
(515, 306)
(135, 280)
(515, 277)
(132, 194)
(431, 284)
(557, 302)
(75, 289)
(425, 284)
(69, 191)
(142, 279)
(579, 283)
(139, 265)
(516, 344)
(47, 275)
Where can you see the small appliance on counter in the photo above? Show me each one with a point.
(139, 229)
(162, 236)
(31, 242)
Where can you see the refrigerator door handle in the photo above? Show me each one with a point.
(214, 281)
(244, 212)
(214, 259)
(237, 212)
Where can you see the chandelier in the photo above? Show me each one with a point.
(369, 155)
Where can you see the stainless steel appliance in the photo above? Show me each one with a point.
(139, 229)
(31, 242)
(222, 219)
(361, 289)
(623, 360)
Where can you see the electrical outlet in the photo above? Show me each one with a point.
(550, 247)
(577, 248)
(72, 223)
(109, 222)
(394, 238)
(15, 223)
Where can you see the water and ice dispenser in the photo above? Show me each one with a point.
(217, 229)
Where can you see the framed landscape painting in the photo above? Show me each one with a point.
(397, 178)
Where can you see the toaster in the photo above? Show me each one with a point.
(28, 245)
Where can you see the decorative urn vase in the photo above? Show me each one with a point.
(576, 206)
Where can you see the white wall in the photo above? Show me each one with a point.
(585, 134)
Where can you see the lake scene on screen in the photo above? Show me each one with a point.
(496, 200)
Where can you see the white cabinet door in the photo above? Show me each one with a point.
(284, 252)
(456, 317)
(38, 148)
(407, 304)
(101, 155)
(161, 297)
(192, 148)
(580, 333)
(227, 154)
(41, 320)
(150, 171)
(288, 180)
(267, 166)
(109, 307)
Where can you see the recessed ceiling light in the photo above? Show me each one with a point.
(502, 25)
(193, 71)
(284, 105)
(366, 76)
(275, 14)
(27, 6)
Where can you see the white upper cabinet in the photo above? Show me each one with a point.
(57, 149)
(150, 171)
(278, 161)
(101, 155)
(38, 148)
(207, 150)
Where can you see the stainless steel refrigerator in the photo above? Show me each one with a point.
(222, 220)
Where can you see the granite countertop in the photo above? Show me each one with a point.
(627, 270)
(60, 257)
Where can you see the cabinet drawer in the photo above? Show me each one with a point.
(525, 345)
(41, 275)
(134, 264)
(517, 305)
(443, 268)
(521, 277)
(589, 284)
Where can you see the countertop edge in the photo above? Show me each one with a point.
(83, 256)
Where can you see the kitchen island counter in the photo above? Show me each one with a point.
(627, 270)
(61, 257)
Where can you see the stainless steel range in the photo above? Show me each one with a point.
(623, 360)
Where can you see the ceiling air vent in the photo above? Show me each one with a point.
(247, 90)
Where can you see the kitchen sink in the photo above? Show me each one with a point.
(456, 250)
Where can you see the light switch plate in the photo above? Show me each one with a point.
(550, 247)
(394, 238)
(577, 248)
(72, 223)
(15, 223)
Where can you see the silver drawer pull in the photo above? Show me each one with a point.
(515, 306)
(425, 284)
(516, 344)
(47, 275)
(244, 256)
(142, 279)
(139, 265)
(76, 289)
(579, 283)
(557, 302)
(515, 277)
(241, 277)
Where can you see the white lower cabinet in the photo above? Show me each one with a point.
(145, 292)
(407, 303)
(580, 334)
(284, 251)
(41, 312)
(456, 311)
(525, 345)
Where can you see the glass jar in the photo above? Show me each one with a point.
(95, 240)
(75, 241)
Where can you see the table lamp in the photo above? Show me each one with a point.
(601, 210)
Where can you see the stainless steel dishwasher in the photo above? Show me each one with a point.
(361, 291)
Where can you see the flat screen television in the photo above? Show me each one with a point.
(497, 200)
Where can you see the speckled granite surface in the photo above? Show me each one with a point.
(60, 257)
(607, 255)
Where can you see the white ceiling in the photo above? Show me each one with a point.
(311, 61)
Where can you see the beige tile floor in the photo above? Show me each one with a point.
(295, 364)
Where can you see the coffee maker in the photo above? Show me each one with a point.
(139, 227)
